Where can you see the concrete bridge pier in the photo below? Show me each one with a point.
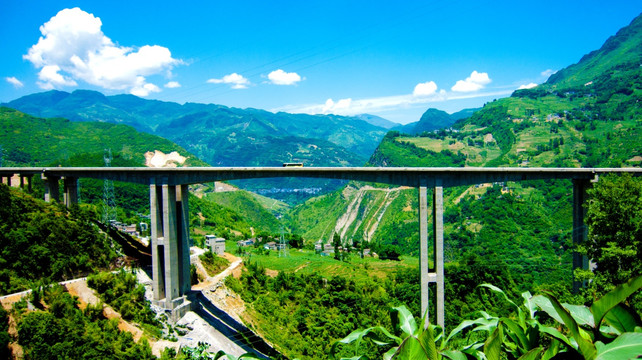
(70, 195)
(170, 247)
(28, 182)
(52, 188)
(580, 230)
(435, 275)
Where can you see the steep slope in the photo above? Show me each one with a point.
(618, 52)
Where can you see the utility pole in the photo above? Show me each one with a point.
(109, 203)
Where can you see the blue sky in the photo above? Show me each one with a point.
(388, 58)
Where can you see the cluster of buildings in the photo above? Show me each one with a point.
(130, 229)
(328, 249)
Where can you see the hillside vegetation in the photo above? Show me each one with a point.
(44, 242)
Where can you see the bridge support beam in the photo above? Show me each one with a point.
(438, 238)
(170, 247)
(52, 188)
(437, 274)
(580, 231)
(423, 248)
(70, 195)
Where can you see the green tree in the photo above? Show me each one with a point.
(336, 242)
(614, 221)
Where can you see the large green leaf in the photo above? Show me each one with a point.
(532, 355)
(581, 314)
(585, 347)
(454, 355)
(545, 304)
(601, 307)
(465, 324)
(427, 341)
(411, 349)
(493, 345)
(358, 335)
(518, 332)
(622, 319)
(528, 304)
(624, 347)
(403, 319)
(556, 334)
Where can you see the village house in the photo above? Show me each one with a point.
(216, 244)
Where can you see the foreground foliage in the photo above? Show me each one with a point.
(607, 329)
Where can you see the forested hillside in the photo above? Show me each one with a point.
(33, 141)
(43, 242)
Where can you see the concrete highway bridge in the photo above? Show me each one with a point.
(169, 208)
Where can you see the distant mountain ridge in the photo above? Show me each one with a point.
(221, 135)
(434, 119)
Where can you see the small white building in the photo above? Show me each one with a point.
(216, 244)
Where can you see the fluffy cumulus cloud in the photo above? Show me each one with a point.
(235, 80)
(425, 89)
(280, 77)
(475, 82)
(339, 107)
(73, 47)
(527, 86)
(173, 85)
(14, 81)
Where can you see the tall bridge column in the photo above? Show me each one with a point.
(52, 189)
(438, 238)
(70, 195)
(28, 181)
(170, 247)
(437, 274)
(580, 231)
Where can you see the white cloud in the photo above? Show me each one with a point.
(475, 82)
(173, 85)
(235, 80)
(425, 89)
(73, 47)
(280, 77)
(339, 107)
(547, 73)
(50, 77)
(351, 106)
(527, 86)
(143, 88)
(14, 81)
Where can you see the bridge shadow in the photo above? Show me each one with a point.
(238, 333)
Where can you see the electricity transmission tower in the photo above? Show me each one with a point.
(283, 252)
(109, 204)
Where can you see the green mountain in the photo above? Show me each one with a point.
(218, 134)
(31, 141)
(434, 119)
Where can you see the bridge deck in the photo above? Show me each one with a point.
(404, 176)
